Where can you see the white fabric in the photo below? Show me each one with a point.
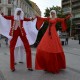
(30, 28)
(16, 24)
(19, 54)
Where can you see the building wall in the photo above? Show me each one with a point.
(75, 9)
(36, 8)
(5, 7)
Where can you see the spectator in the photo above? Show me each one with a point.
(79, 38)
(6, 40)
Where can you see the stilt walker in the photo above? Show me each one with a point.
(16, 30)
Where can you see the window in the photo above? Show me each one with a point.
(9, 11)
(9, 1)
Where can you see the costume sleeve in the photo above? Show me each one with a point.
(68, 17)
(8, 17)
(40, 22)
(63, 23)
(27, 19)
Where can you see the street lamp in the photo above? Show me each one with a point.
(71, 18)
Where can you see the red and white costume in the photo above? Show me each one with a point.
(31, 34)
(16, 30)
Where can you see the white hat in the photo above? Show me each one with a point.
(16, 17)
(53, 12)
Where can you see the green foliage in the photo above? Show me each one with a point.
(57, 9)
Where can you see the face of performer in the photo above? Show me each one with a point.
(53, 14)
(18, 13)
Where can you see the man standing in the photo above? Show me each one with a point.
(16, 30)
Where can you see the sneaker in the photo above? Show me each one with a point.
(13, 70)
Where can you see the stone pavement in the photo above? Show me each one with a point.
(2, 76)
(72, 72)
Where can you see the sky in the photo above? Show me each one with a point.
(43, 4)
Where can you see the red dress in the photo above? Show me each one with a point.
(50, 55)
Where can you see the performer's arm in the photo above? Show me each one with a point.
(40, 21)
(8, 17)
(68, 16)
(27, 19)
(63, 22)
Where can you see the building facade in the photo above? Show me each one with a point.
(36, 8)
(74, 7)
(7, 7)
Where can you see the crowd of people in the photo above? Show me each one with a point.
(49, 55)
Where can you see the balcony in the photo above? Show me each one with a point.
(75, 0)
(76, 22)
(65, 2)
(66, 9)
(76, 19)
(76, 10)
(76, 5)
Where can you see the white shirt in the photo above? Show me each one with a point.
(16, 24)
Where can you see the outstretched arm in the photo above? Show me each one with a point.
(8, 17)
(68, 16)
(63, 22)
(40, 21)
(27, 19)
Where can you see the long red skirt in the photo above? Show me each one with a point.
(51, 62)
(50, 55)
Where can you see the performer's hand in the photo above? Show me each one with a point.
(11, 34)
(33, 18)
(70, 14)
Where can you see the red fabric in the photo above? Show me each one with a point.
(40, 22)
(68, 17)
(27, 19)
(50, 55)
(26, 45)
(15, 33)
(12, 27)
(64, 25)
(51, 62)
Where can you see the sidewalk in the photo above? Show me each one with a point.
(71, 73)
